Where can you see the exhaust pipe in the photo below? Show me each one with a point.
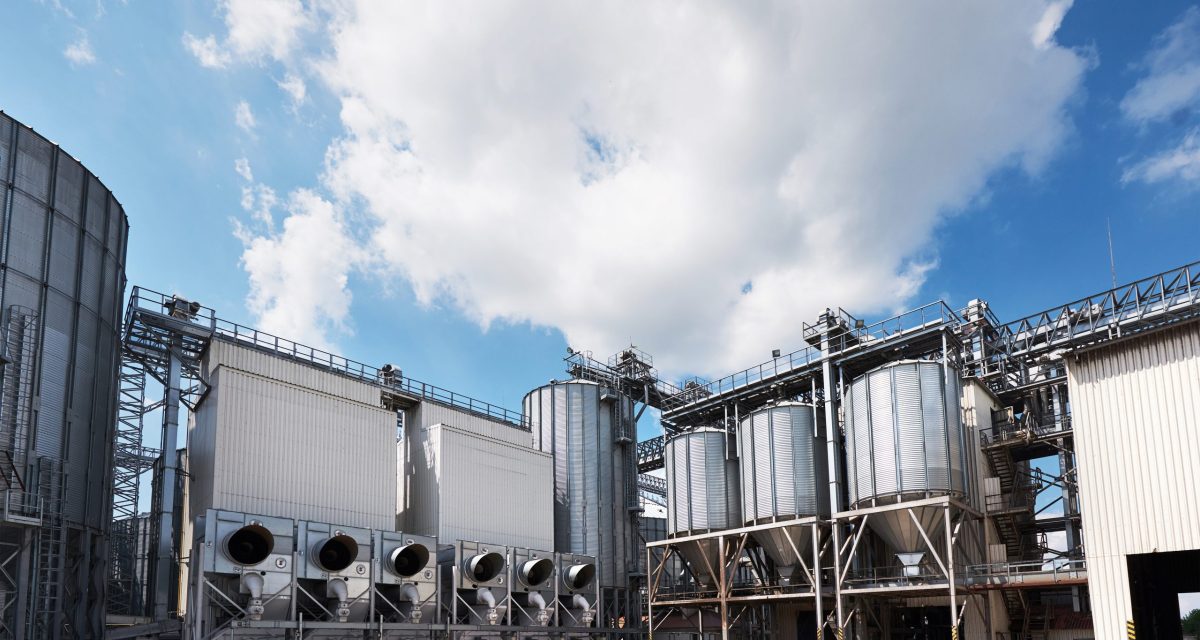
(249, 545)
(408, 561)
(484, 567)
(335, 553)
(578, 576)
(535, 573)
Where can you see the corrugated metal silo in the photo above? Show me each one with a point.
(580, 423)
(702, 493)
(904, 441)
(62, 268)
(782, 461)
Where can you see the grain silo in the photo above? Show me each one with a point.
(702, 495)
(62, 278)
(581, 424)
(782, 462)
(904, 441)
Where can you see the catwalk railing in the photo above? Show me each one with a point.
(205, 318)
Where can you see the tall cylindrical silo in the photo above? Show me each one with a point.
(904, 441)
(702, 494)
(588, 430)
(62, 269)
(781, 452)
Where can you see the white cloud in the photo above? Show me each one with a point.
(1044, 30)
(80, 52)
(256, 30)
(1172, 79)
(299, 275)
(1181, 162)
(207, 51)
(244, 117)
(242, 167)
(260, 28)
(293, 85)
(626, 169)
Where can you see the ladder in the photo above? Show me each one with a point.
(49, 557)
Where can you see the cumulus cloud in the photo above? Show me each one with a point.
(702, 177)
(243, 116)
(293, 85)
(242, 167)
(80, 52)
(1169, 89)
(1172, 73)
(256, 30)
(206, 50)
(299, 274)
(1182, 161)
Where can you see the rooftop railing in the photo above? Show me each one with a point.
(206, 318)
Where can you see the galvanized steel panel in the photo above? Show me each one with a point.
(1134, 407)
(493, 490)
(33, 165)
(279, 448)
(702, 485)
(904, 433)
(591, 472)
(781, 468)
(78, 353)
(222, 352)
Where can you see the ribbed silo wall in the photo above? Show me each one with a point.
(904, 434)
(578, 423)
(62, 279)
(702, 483)
(781, 452)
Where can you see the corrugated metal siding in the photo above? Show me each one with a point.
(492, 491)
(428, 414)
(41, 234)
(249, 360)
(288, 447)
(460, 485)
(1135, 407)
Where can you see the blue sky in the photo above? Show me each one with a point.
(450, 198)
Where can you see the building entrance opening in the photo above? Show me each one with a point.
(1155, 582)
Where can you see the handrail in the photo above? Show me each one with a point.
(206, 318)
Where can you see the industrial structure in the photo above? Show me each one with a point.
(938, 474)
(62, 282)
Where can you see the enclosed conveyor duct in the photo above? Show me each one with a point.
(247, 560)
(904, 443)
(404, 572)
(475, 585)
(334, 577)
(532, 583)
(702, 496)
(782, 461)
(578, 589)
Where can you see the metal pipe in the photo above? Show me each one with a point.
(831, 430)
(165, 567)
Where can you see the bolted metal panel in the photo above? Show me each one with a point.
(71, 367)
(282, 447)
(575, 422)
(1134, 410)
(458, 483)
(701, 483)
(904, 433)
(782, 463)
